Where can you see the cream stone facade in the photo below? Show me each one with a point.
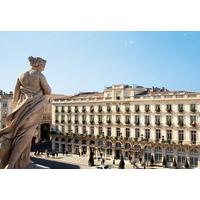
(5, 106)
(134, 121)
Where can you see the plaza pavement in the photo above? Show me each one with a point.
(81, 161)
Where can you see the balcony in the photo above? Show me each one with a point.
(83, 110)
(127, 122)
(69, 111)
(69, 121)
(117, 109)
(56, 121)
(157, 109)
(76, 121)
(137, 123)
(147, 123)
(169, 123)
(109, 121)
(157, 123)
(108, 109)
(100, 110)
(92, 110)
(84, 122)
(127, 110)
(180, 142)
(118, 121)
(100, 122)
(63, 121)
(91, 121)
(137, 110)
(181, 124)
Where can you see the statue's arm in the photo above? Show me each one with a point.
(16, 93)
(44, 85)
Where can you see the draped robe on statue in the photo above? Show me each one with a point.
(28, 105)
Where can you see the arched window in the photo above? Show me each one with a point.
(109, 144)
(181, 156)
(100, 143)
(147, 153)
(118, 145)
(158, 154)
(127, 146)
(169, 155)
(194, 158)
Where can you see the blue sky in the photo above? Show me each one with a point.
(89, 61)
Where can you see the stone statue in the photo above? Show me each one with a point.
(28, 104)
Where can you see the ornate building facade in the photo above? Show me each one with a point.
(5, 106)
(134, 121)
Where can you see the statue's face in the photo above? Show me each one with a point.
(41, 67)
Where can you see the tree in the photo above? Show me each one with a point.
(91, 159)
(164, 162)
(174, 163)
(152, 161)
(186, 164)
(121, 163)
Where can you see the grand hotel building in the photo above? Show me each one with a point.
(134, 121)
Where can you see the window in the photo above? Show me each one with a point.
(62, 119)
(169, 135)
(180, 107)
(193, 120)
(181, 156)
(91, 119)
(56, 110)
(100, 130)
(76, 109)
(109, 119)
(83, 109)
(76, 129)
(180, 136)
(169, 120)
(69, 129)
(91, 109)
(157, 120)
(100, 119)
(83, 119)
(76, 119)
(127, 109)
(193, 107)
(147, 153)
(137, 133)
(69, 109)
(92, 130)
(157, 108)
(63, 109)
(193, 137)
(117, 108)
(127, 132)
(147, 108)
(147, 120)
(169, 155)
(63, 129)
(118, 119)
(158, 155)
(5, 105)
(137, 120)
(194, 158)
(109, 131)
(108, 108)
(169, 108)
(180, 121)
(84, 130)
(137, 108)
(118, 132)
(127, 119)
(158, 134)
(147, 133)
(100, 109)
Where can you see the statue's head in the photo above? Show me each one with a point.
(37, 62)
